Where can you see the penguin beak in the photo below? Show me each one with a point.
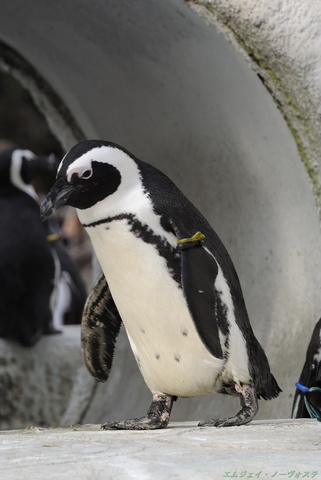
(56, 198)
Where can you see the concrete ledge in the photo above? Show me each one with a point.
(262, 449)
(37, 384)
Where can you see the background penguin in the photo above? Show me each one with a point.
(310, 378)
(71, 289)
(168, 277)
(30, 256)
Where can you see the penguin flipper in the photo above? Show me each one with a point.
(100, 327)
(198, 273)
(311, 373)
(299, 409)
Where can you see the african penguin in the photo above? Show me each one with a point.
(31, 257)
(308, 392)
(168, 278)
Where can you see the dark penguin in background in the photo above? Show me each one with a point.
(308, 392)
(30, 254)
(27, 267)
(168, 278)
(71, 291)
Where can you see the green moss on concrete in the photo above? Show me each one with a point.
(289, 104)
(295, 110)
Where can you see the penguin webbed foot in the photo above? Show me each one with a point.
(249, 404)
(142, 423)
(157, 416)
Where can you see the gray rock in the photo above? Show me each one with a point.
(36, 383)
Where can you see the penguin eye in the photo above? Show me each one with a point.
(86, 174)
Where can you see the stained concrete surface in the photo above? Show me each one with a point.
(262, 449)
(284, 41)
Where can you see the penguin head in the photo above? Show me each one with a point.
(14, 166)
(92, 172)
(17, 169)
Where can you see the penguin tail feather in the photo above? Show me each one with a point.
(271, 389)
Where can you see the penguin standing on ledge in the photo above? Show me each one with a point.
(168, 278)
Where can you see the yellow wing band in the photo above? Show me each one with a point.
(53, 237)
(195, 238)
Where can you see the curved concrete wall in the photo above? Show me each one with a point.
(283, 41)
(157, 78)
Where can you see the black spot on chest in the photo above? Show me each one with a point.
(141, 230)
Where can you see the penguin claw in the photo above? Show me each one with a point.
(249, 409)
(157, 416)
(143, 423)
(226, 422)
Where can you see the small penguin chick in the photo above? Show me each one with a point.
(168, 278)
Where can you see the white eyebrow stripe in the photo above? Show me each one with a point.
(78, 170)
(15, 172)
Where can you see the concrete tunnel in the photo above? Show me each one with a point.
(162, 81)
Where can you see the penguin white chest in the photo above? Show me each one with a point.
(170, 354)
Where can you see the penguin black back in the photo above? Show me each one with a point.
(27, 267)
